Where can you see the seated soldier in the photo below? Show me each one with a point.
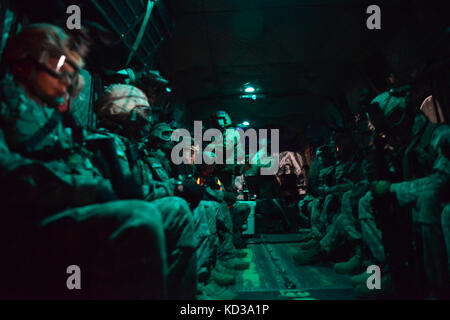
(125, 119)
(337, 180)
(58, 209)
(200, 201)
(409, 212)
(323, 159)
(345, 231)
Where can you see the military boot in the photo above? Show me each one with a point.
(352, 266)
(222, 269)
(213, 291)
(308, 244)
(235, 264)
(309, 256)
(240, 253)
(222, 278)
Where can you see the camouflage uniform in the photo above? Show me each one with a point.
(213, 228)
(413, 208)
(306, 205)
(427, 197)
(345, 226)
(227, 173)
(446, 230)
(371, 233)
(178, 220)
(204, 241)
(386, 168)
(334, 182)
(214, 198)
(204, 216)
(118, 245)
(207, 206)
(321, 205)
(304, 209)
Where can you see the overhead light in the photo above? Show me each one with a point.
(249, 89)
(168, 89)
(245, 123)
(251, 96)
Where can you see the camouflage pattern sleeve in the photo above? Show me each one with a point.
(441, 142)
(111, 156)
(326, 179)
(158, 171)
(10, 161)
(429, 192)
(157, 189)
(55, 184)
(131, 172)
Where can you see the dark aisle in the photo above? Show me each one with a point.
(273, 275)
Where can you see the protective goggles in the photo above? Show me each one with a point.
(59, 66)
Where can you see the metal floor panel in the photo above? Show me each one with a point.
(274, 275)
(275, 238)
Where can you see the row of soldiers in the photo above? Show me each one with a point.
(108, 201)
(379, 195)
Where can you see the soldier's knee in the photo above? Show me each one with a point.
(175, 204)
(141, 214)
(176, 215)
(181, 204)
